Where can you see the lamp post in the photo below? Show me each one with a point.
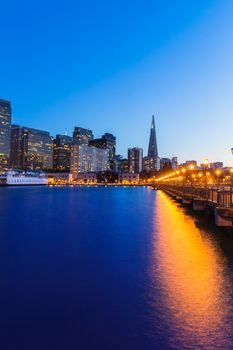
(183, 176)
(206, 163)
(217, 173)
(191, 169)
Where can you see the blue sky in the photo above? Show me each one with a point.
(110, 65)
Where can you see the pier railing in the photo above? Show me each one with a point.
(217, 196)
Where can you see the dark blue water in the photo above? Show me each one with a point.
(111, 268)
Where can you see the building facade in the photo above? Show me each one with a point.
(107, 141)
(149, 164)
(59, 178)
(89, 178)
(189, 163)
(61, 152)
(31, 148)
(165, 164)
(124, 165)
(86, 159)
(174, 163)
(128, 178)
(82, 136)
(5, 134)
(216, 165)
(135, 156)
(117, 163)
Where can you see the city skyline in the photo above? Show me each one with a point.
(174, 62)
(101, 142)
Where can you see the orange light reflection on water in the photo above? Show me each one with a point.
(189, 272)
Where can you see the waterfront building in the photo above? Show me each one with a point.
(82, 136)
(108, 176)
(88, 159)
(89, 178)
(62, 178)
(61, 152)
(135, 155)
(5, 134)
(107, 141)
(128, 178)
(31, 148)
(153, 149)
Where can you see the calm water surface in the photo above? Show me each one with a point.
(111, 268)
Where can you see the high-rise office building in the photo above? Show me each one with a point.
(135, 155)
(5, 134)
(82, 136)
(61, 152)
(152, 149)
(107, 141)
(88, 159)
(31, 148)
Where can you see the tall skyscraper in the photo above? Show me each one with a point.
(31, 148)
(135, 155)
(152, 149)
(107, 141)
(61, 152)
(5, 134)
(82, 136)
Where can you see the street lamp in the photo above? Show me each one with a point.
(217, 172)
(192, 176)
(183, 170)
(206, 163)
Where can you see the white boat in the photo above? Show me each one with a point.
(23, 178)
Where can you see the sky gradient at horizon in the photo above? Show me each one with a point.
(110, 66)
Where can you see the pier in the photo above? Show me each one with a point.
(212, 200)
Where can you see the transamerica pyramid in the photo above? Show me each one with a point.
(152, 149)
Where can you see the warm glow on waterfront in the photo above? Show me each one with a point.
(191, 270)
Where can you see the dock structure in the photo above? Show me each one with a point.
(218, 200)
